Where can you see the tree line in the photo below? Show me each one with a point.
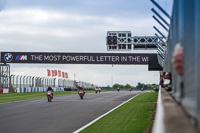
(137, 87)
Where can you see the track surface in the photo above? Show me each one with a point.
(64, 114)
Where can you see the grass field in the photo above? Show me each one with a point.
(133, 117)
(11, 97)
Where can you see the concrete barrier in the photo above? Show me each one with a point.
(30, 89)
(4, 91)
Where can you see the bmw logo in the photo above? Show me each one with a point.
(8, 57)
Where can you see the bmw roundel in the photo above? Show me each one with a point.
(8, 57)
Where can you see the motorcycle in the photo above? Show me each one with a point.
(81, 93)
(49, 96)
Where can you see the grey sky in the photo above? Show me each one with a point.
(76, 26)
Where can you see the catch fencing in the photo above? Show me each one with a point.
(22, 84)
(185, 30)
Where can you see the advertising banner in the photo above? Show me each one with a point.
(77, 58)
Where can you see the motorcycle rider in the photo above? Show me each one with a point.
(81, 88)
(96, 90)
(50, 89)
(99, 89)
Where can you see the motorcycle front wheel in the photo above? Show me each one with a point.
(49, 99)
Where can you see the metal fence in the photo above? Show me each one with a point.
(18, 81)
(185, 29)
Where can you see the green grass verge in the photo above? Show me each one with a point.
(132, 117)
(11, 97)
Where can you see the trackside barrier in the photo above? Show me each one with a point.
(4, 91)
(30, 89)
(38, 89)
(184, 37)
(1, 91)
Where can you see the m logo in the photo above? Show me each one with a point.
(21, 57)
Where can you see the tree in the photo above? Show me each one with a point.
(116, 86)
(127, 86)
(139, 85)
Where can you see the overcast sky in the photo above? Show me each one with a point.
(77, 26)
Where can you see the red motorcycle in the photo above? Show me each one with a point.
(81, 93)
(49, 96)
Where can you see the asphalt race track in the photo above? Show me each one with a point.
(65, 114)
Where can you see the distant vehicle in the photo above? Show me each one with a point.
(49, 96)
(142, 89)
(96, 90)
(99, 90)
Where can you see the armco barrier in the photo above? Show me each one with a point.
(4, 91)
(28, 89)
(39, 89)
(24, 89)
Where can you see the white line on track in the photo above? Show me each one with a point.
(77, 131)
